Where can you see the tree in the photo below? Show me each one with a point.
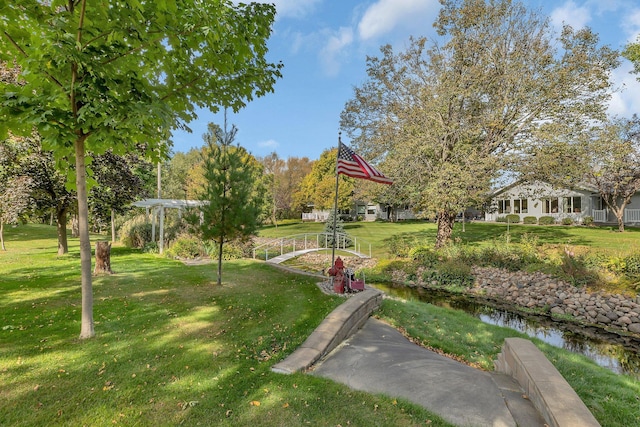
(318, 186)
(175, 173)
(632, 53)
(605, 158)
(232, 201)
(274, 171)
(32, 182)
(118, 186)
(339, 230)
(441, 119)
(102, 75)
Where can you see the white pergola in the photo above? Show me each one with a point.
(158, 206)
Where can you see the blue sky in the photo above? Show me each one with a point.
(324, 44)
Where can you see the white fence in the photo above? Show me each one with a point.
(599, 215)
(315, 216)
(631, 215)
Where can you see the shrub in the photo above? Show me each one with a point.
(530, 220)
(587, 220)
(546, 220)
(567, 221)
(513, 218)
(401, 244)
(230, 250)
(632, 264)
(501, 219)
(136, 232)
(425, 256)
(186, 246)
(456, 273)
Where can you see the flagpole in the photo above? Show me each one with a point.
(335, 205)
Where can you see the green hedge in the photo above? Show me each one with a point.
(513, 218)
(546, 220)
(530, 220)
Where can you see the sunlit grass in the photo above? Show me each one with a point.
(171, 348)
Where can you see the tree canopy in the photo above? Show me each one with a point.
(111, 75)
(442, 115)
(232, 192)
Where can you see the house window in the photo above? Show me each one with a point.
(573, 204)
(520, 206)
(371, 211)
(504, 206)
(550, 206)
(361, 209)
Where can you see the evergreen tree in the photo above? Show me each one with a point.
(339, 228)
(233, 201)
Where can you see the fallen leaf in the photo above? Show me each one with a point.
(254, 403)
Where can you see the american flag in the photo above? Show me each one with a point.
(350, 164)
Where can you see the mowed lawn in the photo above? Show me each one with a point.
(380, 234)
(171, 347)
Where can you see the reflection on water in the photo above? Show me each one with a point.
(618, 354)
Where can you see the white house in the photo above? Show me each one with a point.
(539, 199)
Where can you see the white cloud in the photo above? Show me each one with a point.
(334, 50)
(572, 14)
(631, 25)
(626, 102)
(270, 143)
(386, 15)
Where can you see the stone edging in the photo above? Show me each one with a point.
(335, 328)
(541, 291)
(549, 392)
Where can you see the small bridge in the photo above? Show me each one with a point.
(281, 249)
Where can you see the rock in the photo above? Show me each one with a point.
(557, 310)
(603, 319)
(634, 327)
(625, 320)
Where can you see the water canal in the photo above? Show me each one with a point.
(609, 350)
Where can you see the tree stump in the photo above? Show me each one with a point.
(103, 258)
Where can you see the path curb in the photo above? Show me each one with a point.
(340, 324)
(550, 393)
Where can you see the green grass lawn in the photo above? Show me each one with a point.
(379, 234)
(171, 348)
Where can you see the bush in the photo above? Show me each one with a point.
(530, 220)
(587, 220)
(567, 221)
(230, 250)
(546, 220)
(501, 219)
(455, 273)
(401, 244)
(136, 232)
(513, 218)
(186, 246)
(425, 256)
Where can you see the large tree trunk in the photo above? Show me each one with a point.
(103, 258)
(445, 227)
(61, 229)
(86, 326)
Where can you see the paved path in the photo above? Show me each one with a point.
(379, 359)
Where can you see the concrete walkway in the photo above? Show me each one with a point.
(378, 359)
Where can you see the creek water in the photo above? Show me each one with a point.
(617, 353)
